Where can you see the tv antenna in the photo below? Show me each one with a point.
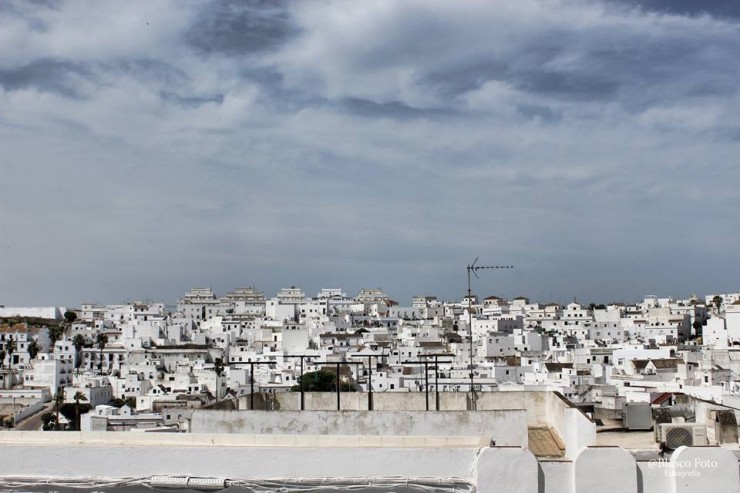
(473, 268)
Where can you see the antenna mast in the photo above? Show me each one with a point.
(473, 268)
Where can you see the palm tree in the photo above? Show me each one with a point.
(102, 340)
(717, 300)
(78, 341)
(58, 401)
(79, 396)
(10, 347)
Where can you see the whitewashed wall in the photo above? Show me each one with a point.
(44, 455)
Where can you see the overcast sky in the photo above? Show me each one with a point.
(149, 147)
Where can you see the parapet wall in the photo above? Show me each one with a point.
(506, 427)
(103, 456)
(543, 408)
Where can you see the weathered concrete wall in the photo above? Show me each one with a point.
(535, 403)
(542, 408)
(539, 405)
(507, 427)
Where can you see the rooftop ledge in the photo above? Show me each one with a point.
(134, 439)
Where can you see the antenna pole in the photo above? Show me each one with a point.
(472, 268)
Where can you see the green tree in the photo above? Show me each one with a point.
(78, 341)
(49, 422)
(70, 316)
(79, 396)
(55, 333)
(320, 381)
(33, 349)
(101, 340)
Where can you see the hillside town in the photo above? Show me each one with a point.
(146, 366)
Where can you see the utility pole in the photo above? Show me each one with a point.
(473, 268)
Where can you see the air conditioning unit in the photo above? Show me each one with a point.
(676, 435)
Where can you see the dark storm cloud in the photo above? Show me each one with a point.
(191, 101)
(156, 71)
(46, 75)
(604, 65)
(237, 27)
(394, 109)
(542, 112)
(459, 79)
(715, 8)
(577, 85)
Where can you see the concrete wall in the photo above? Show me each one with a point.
(52, 312)
(579, 432)
(575, 429)
(542, 408)
(57, 455)
(507, 427)
(556, 476)
(606, 470)
(126, 457)
(29, 410)
(70, 455)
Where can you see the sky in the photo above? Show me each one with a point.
(150, 147)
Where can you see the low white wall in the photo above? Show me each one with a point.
(710, 469)
(556, 476)
(509, 469)
(575, 429)
(580, 432)
(70, 455)
(606, 470)
(79, 461)
(52, 312)
(29, 410)
(652, 476)
(507, 427)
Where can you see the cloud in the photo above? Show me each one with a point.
(240, 29)
(714, 8)
(149, 147)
